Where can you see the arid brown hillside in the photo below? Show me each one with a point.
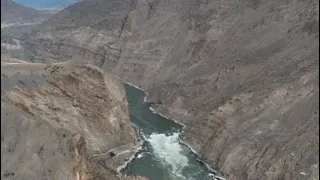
(62, 121)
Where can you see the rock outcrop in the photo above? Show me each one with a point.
(63, 121)
(242, 75)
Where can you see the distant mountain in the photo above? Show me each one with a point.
(13, 13)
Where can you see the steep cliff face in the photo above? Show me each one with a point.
(63, 121)
(242, 75)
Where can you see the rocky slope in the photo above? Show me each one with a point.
(242, 75)
(63, 121)
(13, 13)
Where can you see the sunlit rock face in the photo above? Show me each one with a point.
(60, 121)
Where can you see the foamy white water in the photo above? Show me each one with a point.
(169, 151)
(142, 155)
(163, 157)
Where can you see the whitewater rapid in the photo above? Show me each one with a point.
(163, 156)
(169, 151)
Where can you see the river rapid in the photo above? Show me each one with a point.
(162, 157)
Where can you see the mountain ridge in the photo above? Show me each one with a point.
(14, 13)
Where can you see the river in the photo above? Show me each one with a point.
(162, 157)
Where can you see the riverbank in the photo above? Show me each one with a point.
(134, 152)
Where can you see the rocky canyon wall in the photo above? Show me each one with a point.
(63, 121)
(242, 75)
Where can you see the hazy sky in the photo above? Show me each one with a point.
(46, 3)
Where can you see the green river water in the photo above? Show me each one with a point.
(162, 157)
